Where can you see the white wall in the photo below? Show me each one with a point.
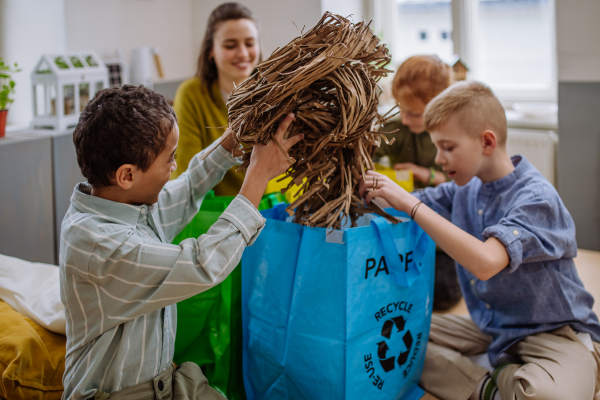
(578, 47)
(33, 27)
(356, 8)
(577, 33)
(104, 25)
(27, 30)
(276, 20)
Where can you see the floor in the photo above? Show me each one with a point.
(588, 266)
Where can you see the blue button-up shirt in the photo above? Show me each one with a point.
(540, 289)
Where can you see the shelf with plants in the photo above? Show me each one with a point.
(7, 91)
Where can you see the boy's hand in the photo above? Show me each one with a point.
(268, 162)
(230, 146)
(378, 185)
(482, 259)
(421, 174)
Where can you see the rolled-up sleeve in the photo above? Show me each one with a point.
(538, 229)
(245, 217)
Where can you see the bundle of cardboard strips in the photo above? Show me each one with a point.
(328, 78)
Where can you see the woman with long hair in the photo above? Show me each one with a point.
(228, 56)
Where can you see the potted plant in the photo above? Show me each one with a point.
(7, 89)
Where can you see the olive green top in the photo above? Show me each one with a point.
(408, 148)
(202, 120)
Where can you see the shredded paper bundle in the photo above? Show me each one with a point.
(328, 78)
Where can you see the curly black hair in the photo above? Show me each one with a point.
(126, 125)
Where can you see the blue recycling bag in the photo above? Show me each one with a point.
(339, 316)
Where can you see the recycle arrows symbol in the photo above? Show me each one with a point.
(386, 331)
(388, 363)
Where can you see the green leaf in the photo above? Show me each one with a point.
(7, 89)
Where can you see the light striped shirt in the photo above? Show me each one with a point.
(120, 276)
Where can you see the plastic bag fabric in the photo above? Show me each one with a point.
(209, 325)
(339, 316)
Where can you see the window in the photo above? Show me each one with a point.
(508, 44)
(515, 50)
(84, 95)
(416, 19)
(114, 75)
(76, 62)
(69, 99)
(99, 86)
(90, 61)
(61, 63)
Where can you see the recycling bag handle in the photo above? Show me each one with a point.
(278, 212)
(400, 274)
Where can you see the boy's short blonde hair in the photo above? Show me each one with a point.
(475, 104)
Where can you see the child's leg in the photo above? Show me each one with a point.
(556, 365)
(448, 373)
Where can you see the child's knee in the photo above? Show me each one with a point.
(532, 382)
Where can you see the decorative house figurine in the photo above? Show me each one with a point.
(62, 85)
(459, 68)
(118, 72)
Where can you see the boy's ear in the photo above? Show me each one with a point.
(125, 175)
(489, 141)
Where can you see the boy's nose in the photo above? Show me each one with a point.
(438, 158)
(405, 119)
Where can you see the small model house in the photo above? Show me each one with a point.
(118, 73)
(459, 68)
(62, 85)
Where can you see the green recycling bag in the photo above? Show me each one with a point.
(209, 325)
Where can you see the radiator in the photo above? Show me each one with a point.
(538, 146)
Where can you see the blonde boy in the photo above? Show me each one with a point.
(514, 243)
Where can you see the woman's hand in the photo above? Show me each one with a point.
(267, 162)
(378, 185)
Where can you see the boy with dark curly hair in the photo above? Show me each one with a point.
(120, 276)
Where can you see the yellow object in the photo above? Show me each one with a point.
(32, 359)
(273, 187)
(202, 120)
(403, 177)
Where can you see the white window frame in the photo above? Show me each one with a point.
(464, 27)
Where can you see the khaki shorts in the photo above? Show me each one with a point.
(554, 365)
(182, 383)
